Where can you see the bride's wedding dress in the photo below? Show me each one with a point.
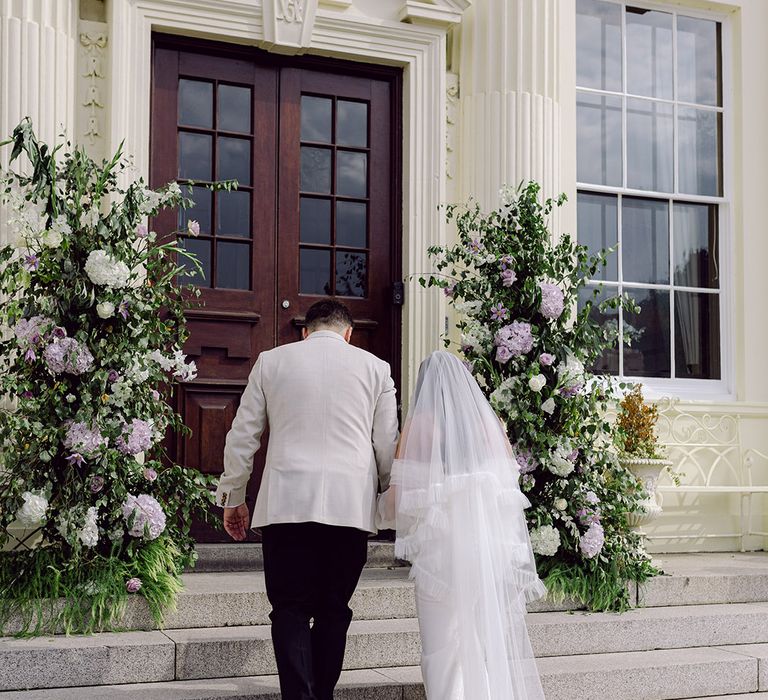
(459, 517)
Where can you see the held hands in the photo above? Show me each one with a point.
(236, 521)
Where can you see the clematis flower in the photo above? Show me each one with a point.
(499, 313)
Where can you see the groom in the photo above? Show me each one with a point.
(332, 419)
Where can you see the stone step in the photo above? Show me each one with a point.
(646, 675)
(200, 653)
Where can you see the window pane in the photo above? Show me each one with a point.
(599, 139)
(699, 151)
(649, 145)
(351, 274)
(351, 226)
(233, 265)
(648, 332)
(202, 249)
(351, 174)
(200, 212)
(196, 103)
(234, 160)
(697, 335)
(234, 108)
(195, 159)
(698, 61)
(598, 45)
(649, 53)
(351, 123)
(608, 362)
(233, 214)
(315, 220)
(316, 118)
(314, 271)
(315, 169)
(695, 245)
(645, 240)
(597, 228)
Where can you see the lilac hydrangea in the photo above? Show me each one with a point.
(31, 331)
(148, 516)
(67, 355)
(87, 441)
(525, 460)
(513, 340)
(591, 542)
(552, 300)
(137, 437)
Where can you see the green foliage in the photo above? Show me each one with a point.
(505, 272)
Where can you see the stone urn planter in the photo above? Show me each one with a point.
(647, 471)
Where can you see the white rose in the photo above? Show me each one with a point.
(561, 504)
(105, 309)
(537, 383)
(52, 238)
(32, 513)
(548, 406)
(89, 535)
(139, 458)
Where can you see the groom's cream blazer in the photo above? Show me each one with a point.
(332, 417)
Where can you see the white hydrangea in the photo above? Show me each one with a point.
(545, 540)
(32, 512)
(477, 337)
(102, 269)
(502, 397)
(558, 462)
(468, 308)
(89, 533)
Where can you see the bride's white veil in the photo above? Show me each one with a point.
(460, 522)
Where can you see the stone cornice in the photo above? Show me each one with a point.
(443, 14)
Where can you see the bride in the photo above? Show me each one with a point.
(458, 511)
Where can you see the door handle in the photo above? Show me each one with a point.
(286, 304)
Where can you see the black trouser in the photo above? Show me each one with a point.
(311, 572)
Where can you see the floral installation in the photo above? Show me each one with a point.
(529, 345)
(91, 335)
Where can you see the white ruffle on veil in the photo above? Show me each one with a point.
(459, 517)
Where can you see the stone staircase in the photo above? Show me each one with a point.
(701, 631)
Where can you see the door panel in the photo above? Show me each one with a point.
(314, 145)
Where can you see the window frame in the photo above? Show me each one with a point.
(721, 389)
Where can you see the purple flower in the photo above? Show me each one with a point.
(508, 277)
(122, 309)
(552, 300)
(525, 460)
(113, 376)
(506, 262)
(67, 355)
(546, 358)
(76, 458)
(133, 585)
(30, 355)
(30, 331)
(150, 474)
(82, 439)
(147, 514)
(137, 437)
(155, 394)
(475, 246)
(503, 354)
(97, 483)
(591, 497)
(31, 262)
(570, 391)
(449, 290)
(588, 516)
(59, 332)
(591, 542)
(499, 313)
(574, 455)
(516, 338)
(193, 228)
(27, 395)
(141, 231)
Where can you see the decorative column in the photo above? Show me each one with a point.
(517, 97)
(37, 69)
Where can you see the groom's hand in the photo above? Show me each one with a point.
(236, 521)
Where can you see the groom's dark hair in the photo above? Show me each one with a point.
(328, 313)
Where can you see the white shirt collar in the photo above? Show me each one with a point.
(326, 334)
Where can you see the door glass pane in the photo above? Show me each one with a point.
(351, 123)
(698, 61)
(315, 220)
(648, 331)
(645, 240)
(699, 151)
(314, 271)
(202, 249)
(234, 159)
(200, 212)
(649, 53)
(608, 362)
(233, 214)
(597, 228)
(351, 274)
(351, 174)
(315, 169)
(195, 159)
(234, 108)
(697, 335)
(196, 103)
(233, 265)
(351, 227)
(649, 145)
(316, 119)
(598, 45)
(599, 139)
(695, 245)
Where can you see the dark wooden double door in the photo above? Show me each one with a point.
(315, 148)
